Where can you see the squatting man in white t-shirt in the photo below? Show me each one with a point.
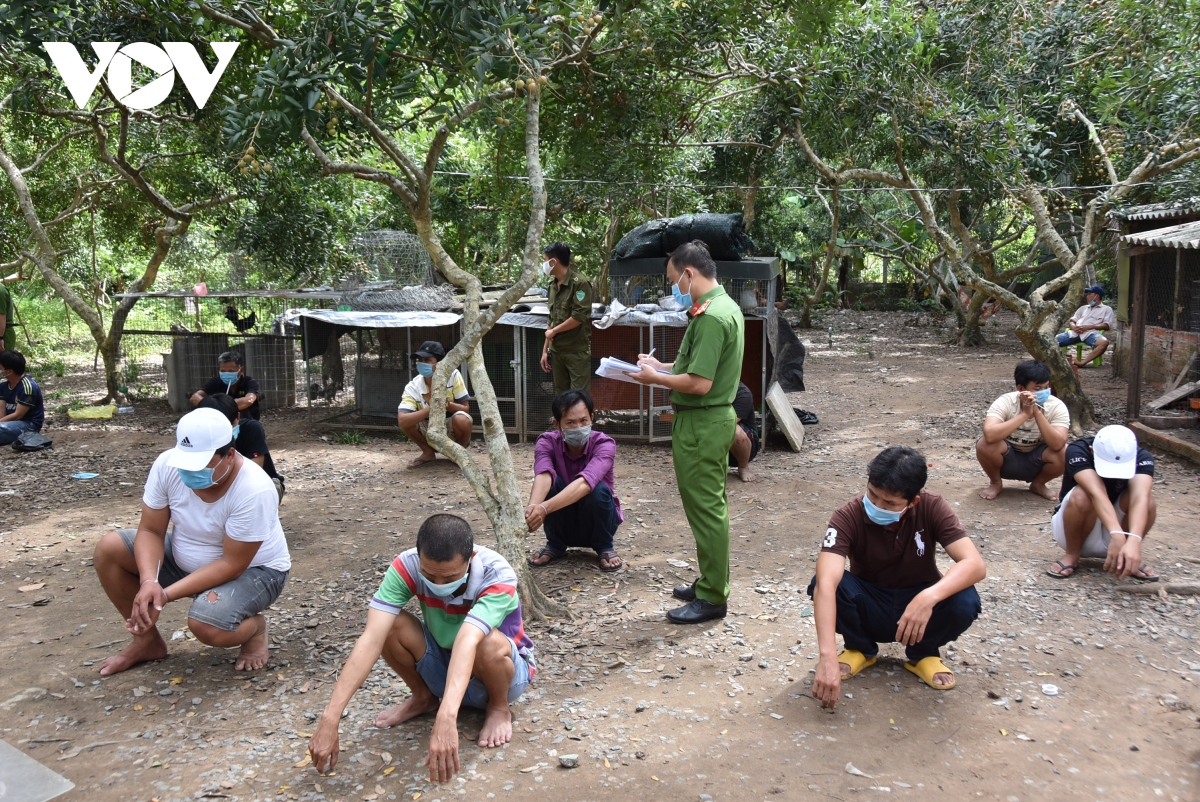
(224, 550)
(1025, 434)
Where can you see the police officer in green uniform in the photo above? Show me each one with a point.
(569, 335)
(703, 383)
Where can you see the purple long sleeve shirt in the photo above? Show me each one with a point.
(595, 465)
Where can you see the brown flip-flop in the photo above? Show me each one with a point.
(1064, 571)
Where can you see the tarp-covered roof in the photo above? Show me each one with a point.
(1184, 236)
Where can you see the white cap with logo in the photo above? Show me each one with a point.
(1115, 451)
(197, 437)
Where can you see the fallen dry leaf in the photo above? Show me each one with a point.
(28, 588)
(307, 760)
(388, 770)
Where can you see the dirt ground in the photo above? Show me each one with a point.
(715, 712)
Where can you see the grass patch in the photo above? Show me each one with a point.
(352, 438)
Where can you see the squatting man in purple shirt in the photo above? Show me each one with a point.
(573, 495)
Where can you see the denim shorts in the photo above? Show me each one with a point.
(1089, 338)
(248, 595)
(433, 666)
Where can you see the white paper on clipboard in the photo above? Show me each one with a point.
(613, 368)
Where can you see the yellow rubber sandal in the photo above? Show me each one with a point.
(927, 667)
(857, 661)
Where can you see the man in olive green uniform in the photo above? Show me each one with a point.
(703, 382)
(569, 335)
(8, 323)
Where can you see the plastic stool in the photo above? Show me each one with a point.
(1097, 362)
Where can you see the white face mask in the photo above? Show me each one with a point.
(546, 268)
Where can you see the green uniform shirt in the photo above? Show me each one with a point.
(572, 300)
(6, 309)
(712, 347)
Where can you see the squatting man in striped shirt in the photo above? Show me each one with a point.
(468, 648)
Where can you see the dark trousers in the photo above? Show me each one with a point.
(868, 615)
(589, 523)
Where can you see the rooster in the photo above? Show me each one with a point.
(241, 324)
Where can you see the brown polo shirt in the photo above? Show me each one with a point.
(900, 555)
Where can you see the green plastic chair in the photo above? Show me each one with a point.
(1097, 362)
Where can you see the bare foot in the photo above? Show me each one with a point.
(417, 462)
(845, 667)
(992, 490)
(414, 706)
(1043, 491)
(942, 679)
(497, 727)
(141, 650)
(745, 475)
(254, 653)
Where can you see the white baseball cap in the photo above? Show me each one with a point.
(197, 437)
(1115, 451)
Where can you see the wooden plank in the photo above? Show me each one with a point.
(781, 408)
(1174, 395)
(1187, 366)
(1137, 338)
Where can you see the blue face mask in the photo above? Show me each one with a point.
(1092, 303)
(228, 376)
(881, 517)
(425, 369)
(444, 591)
(1042, 396)
(236, 429)
(197, 480)
(683, 299)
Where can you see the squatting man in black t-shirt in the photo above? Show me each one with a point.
(1105, 507)
(893, 591)
(249, 437)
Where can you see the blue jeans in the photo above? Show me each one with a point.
(589, 523)
(435, 663)
(868, 615)
(10, 430)
(1089, 338)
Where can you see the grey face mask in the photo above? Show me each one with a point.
(577, 437)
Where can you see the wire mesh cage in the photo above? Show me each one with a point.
(395, 255)
(173, 340)
(356, 380)
(750, 283)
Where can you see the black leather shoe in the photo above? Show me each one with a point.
(697, 611)
(685, 592)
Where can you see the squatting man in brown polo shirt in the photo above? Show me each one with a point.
(893, 591)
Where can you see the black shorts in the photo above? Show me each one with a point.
(753, 435)
(1022, 466)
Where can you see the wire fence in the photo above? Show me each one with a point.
(1170, 352)
(171, 345)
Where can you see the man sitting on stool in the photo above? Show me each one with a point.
(893, 590)
(1087, 325)
(413, 413)
(573, 494)
(745, 438)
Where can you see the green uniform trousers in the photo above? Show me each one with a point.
(572, 371)
(700, 443)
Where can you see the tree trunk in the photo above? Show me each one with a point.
(500, 493)
(970, 335)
